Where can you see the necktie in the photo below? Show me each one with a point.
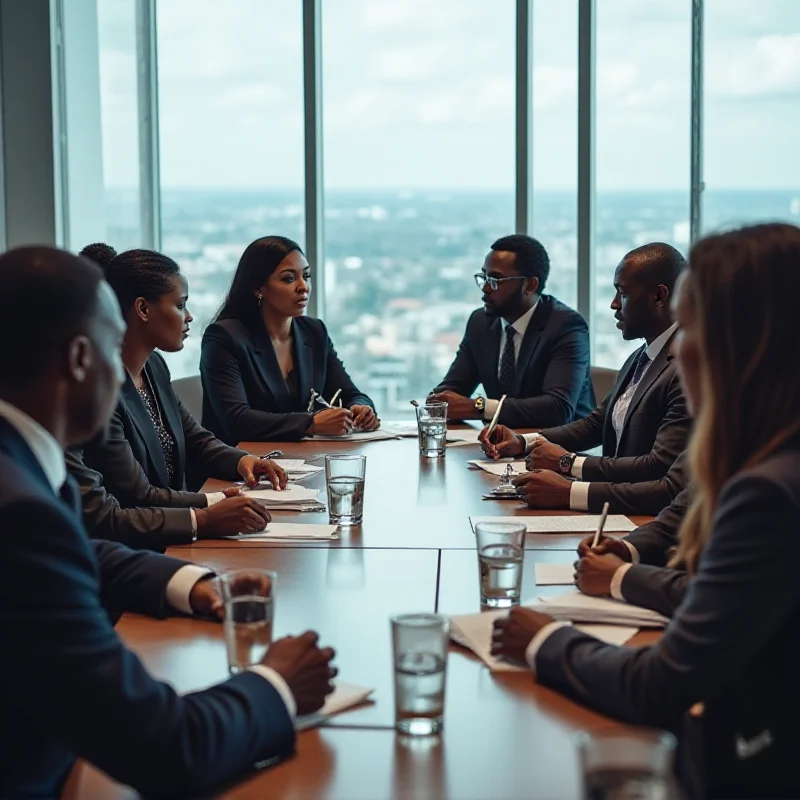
(642, 361)
(508, 363)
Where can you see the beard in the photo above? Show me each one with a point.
(506, 308)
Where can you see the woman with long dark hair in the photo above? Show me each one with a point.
(262, 358)
(152, 439)
(724, 675)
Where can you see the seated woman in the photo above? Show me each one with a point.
(152, 439)
(724, 675)
(262, 358)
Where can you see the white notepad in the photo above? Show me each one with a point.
(291, 495)
(500, 467)
(585, 523)
(474, 631)
(463, 436)
(575, 606)
(554, 574)
(289, 530)
(344, 697)
(358, 436)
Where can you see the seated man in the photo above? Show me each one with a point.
(522, 344)
(70, 687)
(642, 425)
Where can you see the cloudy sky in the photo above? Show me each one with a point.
(420, 93)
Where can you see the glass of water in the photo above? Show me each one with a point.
(419, 645)
(345, 476)
(619, 765)
(432, 424)
(501, 548)
(249, 598)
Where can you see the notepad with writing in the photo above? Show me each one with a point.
(583, 523)
(575, 606)
(344, 697)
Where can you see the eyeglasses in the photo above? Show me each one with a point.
(493, 283)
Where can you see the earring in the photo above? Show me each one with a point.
(259, 297)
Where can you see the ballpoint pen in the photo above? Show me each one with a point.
(493, 423)
(273, 454)
(335, 397)
(600, 525)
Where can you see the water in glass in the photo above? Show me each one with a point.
(248, 630)
(626, 784)
(432, 436)
(346, 500)
(500, 574)
(419, 693)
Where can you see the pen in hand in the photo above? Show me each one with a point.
(601, 523)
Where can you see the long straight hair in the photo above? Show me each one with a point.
(259, 260)
(744, 287)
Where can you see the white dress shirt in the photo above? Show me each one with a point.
(50, 456)
(520, 326)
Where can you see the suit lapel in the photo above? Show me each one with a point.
(304, 364)
(609, 434)
(648, 379)
(14, 445)
(266, 364)
(169, 413)
(489, 356)
(531, 341)
(137, 411)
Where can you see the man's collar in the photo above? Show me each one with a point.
(43, 445)
(521, 325)
(657, 345)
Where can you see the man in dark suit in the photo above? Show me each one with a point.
(522, 344)
(70, 687)
(643, 425)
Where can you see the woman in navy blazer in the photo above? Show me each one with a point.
(261, 358)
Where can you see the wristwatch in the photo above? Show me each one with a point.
(565, 464)
(480, 404)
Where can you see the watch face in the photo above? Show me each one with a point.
(565, 463)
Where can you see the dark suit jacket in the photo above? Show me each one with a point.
(551, 383)
(634, 475)
(104, 518)
(71, 689)
(733, 644)
(245, 397)
(131, 460)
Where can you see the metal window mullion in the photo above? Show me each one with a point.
(147, 91)
(314, 197)
(697, 185)
(587, 65)
(523, 186)
(60, 152)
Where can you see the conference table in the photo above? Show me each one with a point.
(505, 737)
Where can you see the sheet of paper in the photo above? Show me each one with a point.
(463, 436)
(344, 697)
(554, 574)
(474, 631)
(292, 494)
(578, 607)
(358, 436)
(297, 466)
(500, 467)
(585, 523)
(289, 530)
(406, 430)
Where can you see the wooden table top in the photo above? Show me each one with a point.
(504, 736)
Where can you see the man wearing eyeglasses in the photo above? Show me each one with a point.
(522, 344)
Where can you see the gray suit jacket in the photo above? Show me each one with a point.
(634, 475)
(733, 644)
(131, 460)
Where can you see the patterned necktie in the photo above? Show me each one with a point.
(641, 362)
(508, 363)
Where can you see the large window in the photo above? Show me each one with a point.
(752, 112)
(643, 108)
(230, 79)
(419, 173)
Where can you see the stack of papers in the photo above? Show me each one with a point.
(296, 469)
(292, 498)
(344, 697)
(474, 631)
(585, 523)
(574, 606)
(405, 430)
(276, 531)
(456, 438)
(499, 467)
(357, 436)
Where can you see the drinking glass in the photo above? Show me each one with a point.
(345, 476)
(419, 645)
(432, 425)
(249, 599)
(501, 549)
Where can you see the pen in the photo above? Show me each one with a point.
(415, 404)
(493, 423)
(600, 525)
(335, 398)
(272, 454)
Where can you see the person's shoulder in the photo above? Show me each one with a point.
(561, 313)
(228, 330)
(313, 327)
(778, 476)
(479, 321)
(17, 489)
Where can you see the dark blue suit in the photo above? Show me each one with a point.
(551, 381)
(69, 686)
(245, 396)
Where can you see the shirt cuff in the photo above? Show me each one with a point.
(616, 582)
(281, 687)
(530, 438)
(535, 644)
(212, 498)
(579, 496)
(577, 468)
(489, 409)
(181, 584)
(634, 552)
(194, 521)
